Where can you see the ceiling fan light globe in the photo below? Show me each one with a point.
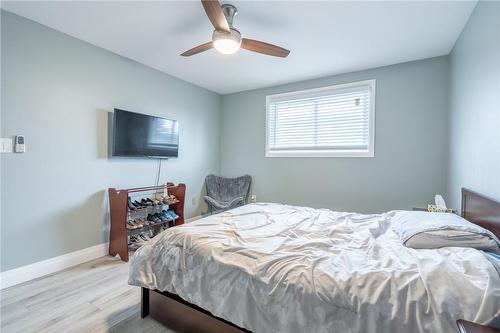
(226, 43)
(226, 46)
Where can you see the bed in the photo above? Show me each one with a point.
(279, 268)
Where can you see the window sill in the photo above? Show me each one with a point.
(331, 154)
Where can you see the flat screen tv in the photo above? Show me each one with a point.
(140, 135)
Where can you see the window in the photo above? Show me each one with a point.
(335, 121)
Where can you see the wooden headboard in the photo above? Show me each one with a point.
(481, 210)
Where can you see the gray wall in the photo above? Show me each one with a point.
(410, 145)
(57, 91)
(475, 105)
(55, 86)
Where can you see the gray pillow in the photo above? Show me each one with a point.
(425, 230)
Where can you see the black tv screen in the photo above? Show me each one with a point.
(140, 135)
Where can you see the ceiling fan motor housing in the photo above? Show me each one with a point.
(230, 12)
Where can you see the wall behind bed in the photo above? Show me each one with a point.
(475, 105)
(57, 91)
(410, 160)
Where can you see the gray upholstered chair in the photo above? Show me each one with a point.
(226, 193)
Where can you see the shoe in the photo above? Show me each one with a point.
(153, 218)
(139, 222)
(143, 237)
(151, 202)
(166, 215)
(130, 205)
(131, 225)
(146, 203)
(138, 204)
(157, 202)
(135, 240)
(143, 221)
(161, 217)
(173, 214)
(170, 200)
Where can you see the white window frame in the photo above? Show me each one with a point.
(370, 152)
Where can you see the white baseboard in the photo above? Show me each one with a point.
(38, 269)
(194, 218)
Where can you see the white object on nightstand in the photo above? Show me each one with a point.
(6, 145)
(438, 199)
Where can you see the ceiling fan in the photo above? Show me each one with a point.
(226, 38)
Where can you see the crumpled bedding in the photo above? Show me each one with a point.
(280, 268)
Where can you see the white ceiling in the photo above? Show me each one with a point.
(325, 37)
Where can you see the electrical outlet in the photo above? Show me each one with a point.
(193, 201)
(253, 198)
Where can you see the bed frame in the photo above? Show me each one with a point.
(481, 210)
(182, 316)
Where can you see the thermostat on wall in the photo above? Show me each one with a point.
(20, 146)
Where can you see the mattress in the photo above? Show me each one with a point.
(280, 268)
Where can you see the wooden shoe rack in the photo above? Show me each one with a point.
(120, 213)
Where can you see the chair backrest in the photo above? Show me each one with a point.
(226, 189)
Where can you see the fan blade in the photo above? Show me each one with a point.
(197, 49)
(216, 15)
(264, 48)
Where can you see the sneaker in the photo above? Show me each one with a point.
(140, 222)
(143, 237)
(135, 243)
(162, 218)
(166, 215)
(143, 221)
(153, 218)
(130, 204)
(135, 240)
(170, 200)
(138, 204)
(146, 203)
(173, 214)
(131, 225)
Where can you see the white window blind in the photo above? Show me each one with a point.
(330, 121)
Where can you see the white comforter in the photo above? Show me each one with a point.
(278, 268)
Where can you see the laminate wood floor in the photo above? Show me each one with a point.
(91, 297)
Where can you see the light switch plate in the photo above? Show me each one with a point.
(6, 145)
